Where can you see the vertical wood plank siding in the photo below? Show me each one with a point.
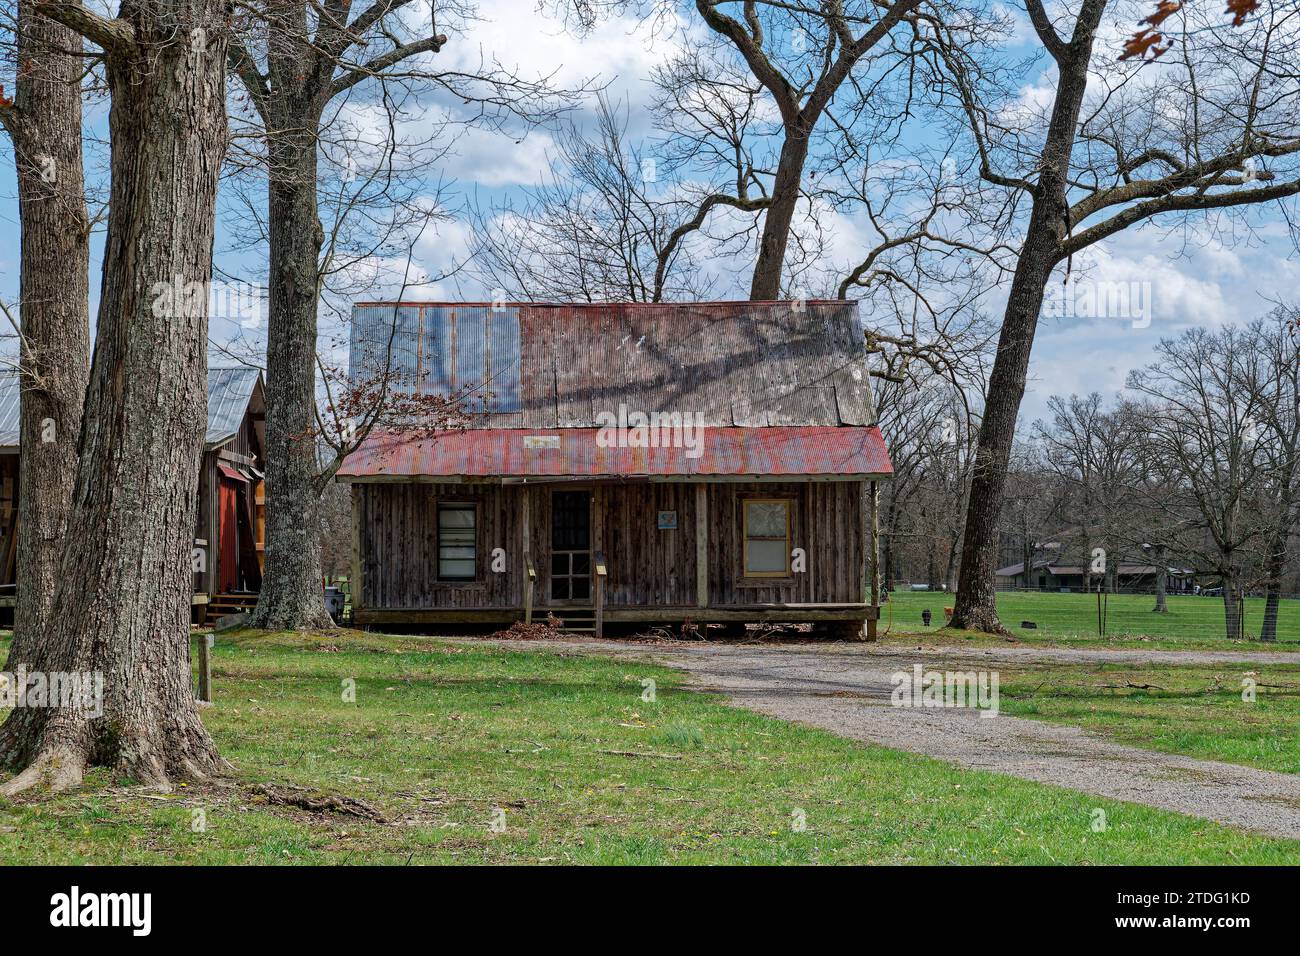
(647, 567)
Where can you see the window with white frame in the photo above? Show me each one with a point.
(767, 537)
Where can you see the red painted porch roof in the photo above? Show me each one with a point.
(573, 452)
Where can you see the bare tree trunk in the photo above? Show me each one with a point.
(1273, 588)
(292, 597)
(766, 284)
(1231, 608)
(1275, 563)
(1085, 552)
(1162, 584)
(122, 604)
(976, 605)
(55, 346)
(1026, 557)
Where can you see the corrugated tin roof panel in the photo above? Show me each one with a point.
(9, 399)
(466, 350)
(229, 391)
(583, 452)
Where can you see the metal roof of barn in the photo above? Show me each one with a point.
(793, 451)
(229, 392)
(538, 365)
(9, 396)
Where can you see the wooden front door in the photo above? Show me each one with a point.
(227, 535)
(571, 547)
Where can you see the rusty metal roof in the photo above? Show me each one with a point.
(537, 365)
(578, 452)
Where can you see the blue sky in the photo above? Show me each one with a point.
(1185, 278)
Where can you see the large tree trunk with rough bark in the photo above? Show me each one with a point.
(766, 283)
(54, 357)
(121, 608)
(292, 597)
(976, 605)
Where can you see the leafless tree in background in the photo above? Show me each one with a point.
(930, 433)
(602, 227)
(808, 60)
(1201, 429)
(1208, 130)
(1273, 381)
(1094, 451)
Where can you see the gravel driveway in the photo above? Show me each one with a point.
(845, 688)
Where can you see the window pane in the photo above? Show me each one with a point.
(456, 568)
(449, 517)
(765, 556)
(765, 519)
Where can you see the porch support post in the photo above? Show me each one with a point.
(357, 581)
(598, 569)
(871, 556)
(525, 523)
(210, 583)
(702, 545)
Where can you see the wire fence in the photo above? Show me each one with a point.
(1082, 616)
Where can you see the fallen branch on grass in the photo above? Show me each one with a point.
(640, 753)
(320, 803)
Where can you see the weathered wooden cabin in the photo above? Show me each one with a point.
(623, 463)
(230, 537)
(230, 532)
(9, 431)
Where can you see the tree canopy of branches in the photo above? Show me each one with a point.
(1204, 133)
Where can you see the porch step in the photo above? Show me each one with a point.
(576, 619)
(223, 604)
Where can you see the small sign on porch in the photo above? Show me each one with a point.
(668, 521)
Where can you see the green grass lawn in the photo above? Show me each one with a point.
(1194, 710)
(440, 737)
(1071, 619)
